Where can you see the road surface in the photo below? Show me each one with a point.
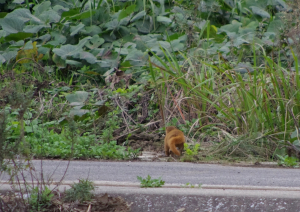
(170, 172)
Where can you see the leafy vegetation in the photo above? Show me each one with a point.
(189, 185)
(83, 79)
(77, 78)
(80, 191)
(288, 161)
(148, 182)
(193, 151)
(39, 201)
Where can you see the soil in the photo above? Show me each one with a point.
(144, 141)
(150, 146)
(102, 203)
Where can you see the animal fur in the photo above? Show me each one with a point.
(174, 138)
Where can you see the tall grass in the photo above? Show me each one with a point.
(252, 107)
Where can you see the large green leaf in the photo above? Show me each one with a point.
(138, 16)
(40, 8)
(249, 28)
(230, 29)
(18, 1)
(143, 26)
(58, 39)
(243, 68)
(81, 16)
(83, 41)
(18, 36)
(95, 42)
(112, 25)
(60, 63)
(88, 57)
(71, 12)
(163, 19)
(275, 26)
(179, 44)
(239, 41)
(135, 55)
(78, 112)
(21, 14)
(68, 50)
(126, 12)
(75, 29)
(78, 96)
(259, 11)
(2, 59)
(281, 5)
(122, 51)
(9, 55)
(49, 16)
(12, 25)
(74, 63)
(92, 30)
(34, 28)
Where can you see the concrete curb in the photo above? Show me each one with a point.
(135, 187)
(208, 198)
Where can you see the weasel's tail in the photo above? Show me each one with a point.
(173, 147)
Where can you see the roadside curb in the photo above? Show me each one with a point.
(176, 197)
(115, 186)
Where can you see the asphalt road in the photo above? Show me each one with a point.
(171, 172)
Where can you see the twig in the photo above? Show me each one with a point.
(127, 125)
(176, 104)
(295, 122)
(89, 208)
(294, 147)
(26, 58)
(124, 111)
(136, 129)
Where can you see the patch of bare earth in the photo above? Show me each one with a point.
(105, 203)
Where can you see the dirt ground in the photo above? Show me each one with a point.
(150, 146)
(9, 202)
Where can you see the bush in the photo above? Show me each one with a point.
(80, 191)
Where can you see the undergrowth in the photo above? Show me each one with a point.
(225, 74)
(81, 191)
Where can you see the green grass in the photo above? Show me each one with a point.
(150, 183)
(53, 145)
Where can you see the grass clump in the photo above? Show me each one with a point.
(40, 200)
(53, 145)
(81, 191)
(288, 161)
(150, 183)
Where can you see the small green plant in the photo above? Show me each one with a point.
(40, 199)
(288, 161)
(189, 185)
(191, 151)
(80, 191)
(52, 145)
(132, 153)
(112, 123)
(148, 182)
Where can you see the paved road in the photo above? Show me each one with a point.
(182, 173)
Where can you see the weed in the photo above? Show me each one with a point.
(111, 124)
(40, 200)
(191, 151)
(189, 185)
(80, 191)
(132, 153)
(53, 145)
(288, 161)
(148, 182)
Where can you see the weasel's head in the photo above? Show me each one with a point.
(169, 129)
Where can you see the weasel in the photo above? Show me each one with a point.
(174, 138)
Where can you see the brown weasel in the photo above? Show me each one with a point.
(174, 138)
